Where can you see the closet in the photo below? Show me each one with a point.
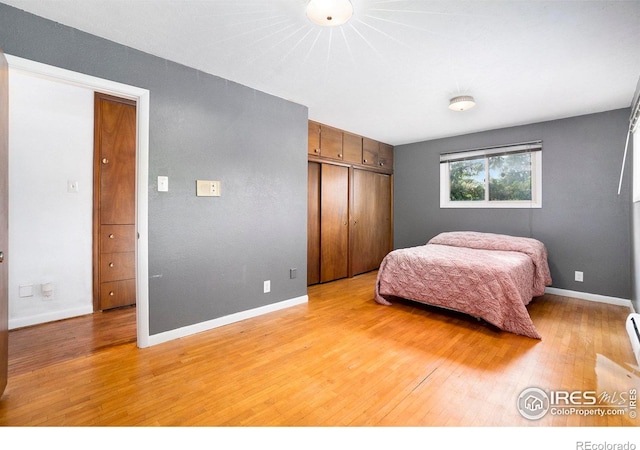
(114, 215)
(350, 203)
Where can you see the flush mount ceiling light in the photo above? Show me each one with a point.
(329, 13)
(462, 103)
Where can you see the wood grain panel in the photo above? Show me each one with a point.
(313, 147)
(117, 161)
(370, 149)
(313, 224)
(370, 220)
(351, 148)
(334, 222)
(117, 238)
(330, 142)
(117, 266)
(115, 294)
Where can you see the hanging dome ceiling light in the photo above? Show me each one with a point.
(462, 103)
(329, 13)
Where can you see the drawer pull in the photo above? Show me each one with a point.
(111, 293)
(105, 161)
(111, 236)
(111, 264)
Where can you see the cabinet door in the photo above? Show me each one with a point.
(313, 147)
(370, 220)
(334, 223)
(352, 148)
(330, 142)
(313, 224)
(370, 150)
(385, 156)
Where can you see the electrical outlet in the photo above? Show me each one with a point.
(267, 286)
(579, 276)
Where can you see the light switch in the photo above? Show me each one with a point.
(207, 188)
(163, 184)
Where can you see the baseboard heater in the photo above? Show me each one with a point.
(633, 323)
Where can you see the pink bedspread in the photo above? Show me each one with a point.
(489, 276)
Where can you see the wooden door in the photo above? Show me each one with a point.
(370, 220)
(313, 146)
(114, 202)
(330, 142)
(313, 224)
(4, 223)
(370, 150)
(334, 222)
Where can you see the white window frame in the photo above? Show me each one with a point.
(536, 177)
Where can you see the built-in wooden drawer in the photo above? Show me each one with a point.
(117, 238)
(118, 293)
(117, 266)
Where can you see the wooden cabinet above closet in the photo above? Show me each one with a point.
(377, 154)
(329, 143)
(350, 203)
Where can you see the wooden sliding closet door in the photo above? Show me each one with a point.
(370, 220)
(334, 222)
(313, 223)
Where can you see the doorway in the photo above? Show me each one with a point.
(141, 98)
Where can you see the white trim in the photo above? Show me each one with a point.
(49, 317)
(141, 96)
(226, 320)
(591, 297)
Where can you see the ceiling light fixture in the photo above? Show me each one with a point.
(462, 103)
(329, 13)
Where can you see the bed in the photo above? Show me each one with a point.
(489, 276)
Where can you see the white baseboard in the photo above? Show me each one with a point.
(591, 297)
(49, 317)
(226, 320)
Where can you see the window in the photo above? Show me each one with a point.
(496, 177)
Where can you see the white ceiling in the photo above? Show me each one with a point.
(390, 71)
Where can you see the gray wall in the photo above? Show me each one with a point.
(208, 257)
(583, 222)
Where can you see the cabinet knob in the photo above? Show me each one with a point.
(105, 161)
(111, 264)
(111, 293)
(111, 236)
(317, 150)
(382, 163)
(339, 155)
(364, 161)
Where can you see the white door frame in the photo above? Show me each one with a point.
(141, 96)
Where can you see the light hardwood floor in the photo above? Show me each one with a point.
(340, 360)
